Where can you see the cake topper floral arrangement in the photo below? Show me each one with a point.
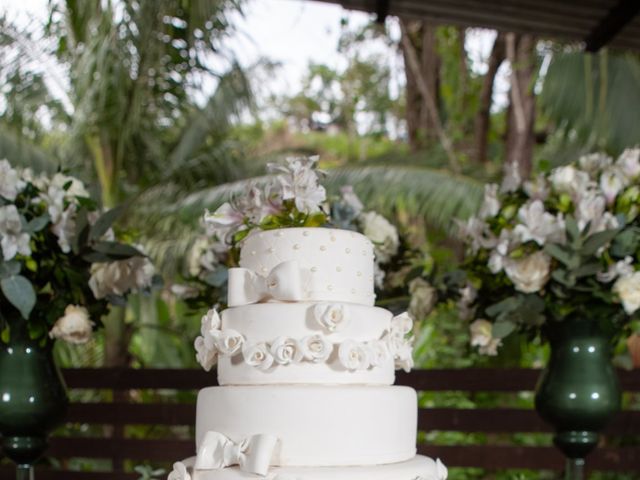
(293, 197)
(61, 264)
(564, 244)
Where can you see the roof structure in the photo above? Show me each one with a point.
(590, 23)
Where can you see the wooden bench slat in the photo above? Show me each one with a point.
(496, 457)
(508, 420)
(132, 413)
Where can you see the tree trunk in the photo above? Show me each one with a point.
(521, 114)
(420, 36)
(483, 117)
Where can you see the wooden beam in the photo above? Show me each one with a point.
(617, 18)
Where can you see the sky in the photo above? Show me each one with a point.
(293, 33)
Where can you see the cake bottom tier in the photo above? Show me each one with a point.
(418, 468)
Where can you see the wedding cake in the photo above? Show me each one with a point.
(305, 366)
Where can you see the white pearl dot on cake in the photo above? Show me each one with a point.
(271, 250)
(333, 239)
(323, 248)
(261, 235)
(296, 246)
(279, 234)
(338, 269)
(263, 269)
(253, 252)
(348, 250)
(359, 274)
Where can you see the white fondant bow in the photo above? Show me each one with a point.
(284, 283)
(252, 455)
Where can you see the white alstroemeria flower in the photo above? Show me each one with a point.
(529, 274)
(286, 350)
(511, 179)
(258, 355)
(621, 268)
(538, 225)
(179, 472)
(628, 289)
(378, 353)
(499, 253)
(570, 180)
(65, 227)
(74, 326)
(10, 182)
(12, 239)
(225, 221)
(382, 233)
(333, 317)
(207, 357)
(354, 355)
(70, 185)
(629, 162)
(477, 233)
(229, 342)
(611, 183)
(402, 324)
(121, 277)
(594, 163)
(491, 203)
(350, 198)
(537, 189)
(482, 337)
(423, 298)
(299, 181)
(316, 348)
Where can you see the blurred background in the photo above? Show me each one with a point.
(169, 106)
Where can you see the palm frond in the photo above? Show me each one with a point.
(21, 152)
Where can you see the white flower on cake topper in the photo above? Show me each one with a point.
(13, 240)
(354, 355)
(10, 182)
(229, 342)
(258, 355)
(74, 326)
(332, 316)
(299, 182)
(628, 289)
(316, 348)
(179, 472)
(224, 221)
(286, 350)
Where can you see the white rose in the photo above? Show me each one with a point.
(207, 357)
(74, 326)
(354, 355)
(316, 348)
(378, 353)
(481, 333)
(331, 316)
(402, 324)
(383, 235)
(258, 355)
(229, 342)
(628, 289)
(423, 298)
(10, 182)
(531, 273)
(629, 162)
(286, 350)
(491, 204)
(179, 472)
(13, 240)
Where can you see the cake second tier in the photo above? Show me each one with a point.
(315, 425)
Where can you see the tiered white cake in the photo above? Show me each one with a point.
(306, 366)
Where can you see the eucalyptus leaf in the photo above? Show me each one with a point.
(502, 328)
(105, 221)
(626, 243)
(564, 277)
(559, 253)
(504, 306)
(587, 270)
(37, 224)
(20, 293)
(82, 230)
(573, 231)
(598, 240)
(10, 268)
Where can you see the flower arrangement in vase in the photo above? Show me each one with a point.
(60, 268)
(557, 256)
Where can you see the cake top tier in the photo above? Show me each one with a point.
(304, 264)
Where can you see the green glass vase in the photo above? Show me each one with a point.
(33, 397)
(578, 392)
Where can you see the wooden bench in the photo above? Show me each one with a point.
(124, 388)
